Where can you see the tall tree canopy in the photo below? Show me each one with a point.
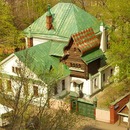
(116, 14)
(7, 29)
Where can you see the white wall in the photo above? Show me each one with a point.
(6, 67)
(103, 115)
(37, 41)
(67, 85)
(108, 75)
(95, 83)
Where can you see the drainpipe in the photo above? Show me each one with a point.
(129, 116)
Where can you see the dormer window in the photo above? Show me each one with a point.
(74, 49)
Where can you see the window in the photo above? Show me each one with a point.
(26, 89)
(9, 88)
(95, 83)
(111, 72)
(35, 91)
(63, 84)
(78, 86)
(55, 90)
(0, 84)
(78, 89)
(104, 77)
(16, 70)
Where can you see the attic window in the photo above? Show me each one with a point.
(74, 49)
(16, 70)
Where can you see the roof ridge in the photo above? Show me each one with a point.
(75, 20)
(63, 20)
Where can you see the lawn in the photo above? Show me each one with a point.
(112, 92)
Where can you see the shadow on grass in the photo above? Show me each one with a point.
(90, 128)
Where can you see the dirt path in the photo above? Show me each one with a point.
(106, 126)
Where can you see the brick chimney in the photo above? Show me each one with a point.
(49, 19)
(29, 39)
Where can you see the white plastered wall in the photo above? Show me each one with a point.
(108, 75)
(67, 85)
(36, 41)
(6, 67)
(95, 83)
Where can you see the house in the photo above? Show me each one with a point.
(65, 39)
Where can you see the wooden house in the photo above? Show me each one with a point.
(65, 35)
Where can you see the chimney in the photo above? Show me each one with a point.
(29, 39)
(49, 19)
(103, 42)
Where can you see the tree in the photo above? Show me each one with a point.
(118, 55)
(32, 9)
(25, 114)
(116, 14)
(7, 29)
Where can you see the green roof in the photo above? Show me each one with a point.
(38, 59)
(57, 48)
(67, 20)
(90, 57)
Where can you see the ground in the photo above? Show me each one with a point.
(89, 124)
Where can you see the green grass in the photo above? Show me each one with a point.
(112, 93)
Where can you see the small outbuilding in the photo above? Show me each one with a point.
(124, 113)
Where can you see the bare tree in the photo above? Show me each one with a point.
(28, 115)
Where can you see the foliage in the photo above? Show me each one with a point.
(7, 28)
(117, 15)
(21, 97)
(118, 55)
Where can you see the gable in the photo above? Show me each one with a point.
(8, 63)
(67, 20)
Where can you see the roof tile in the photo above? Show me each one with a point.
(86, 40)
